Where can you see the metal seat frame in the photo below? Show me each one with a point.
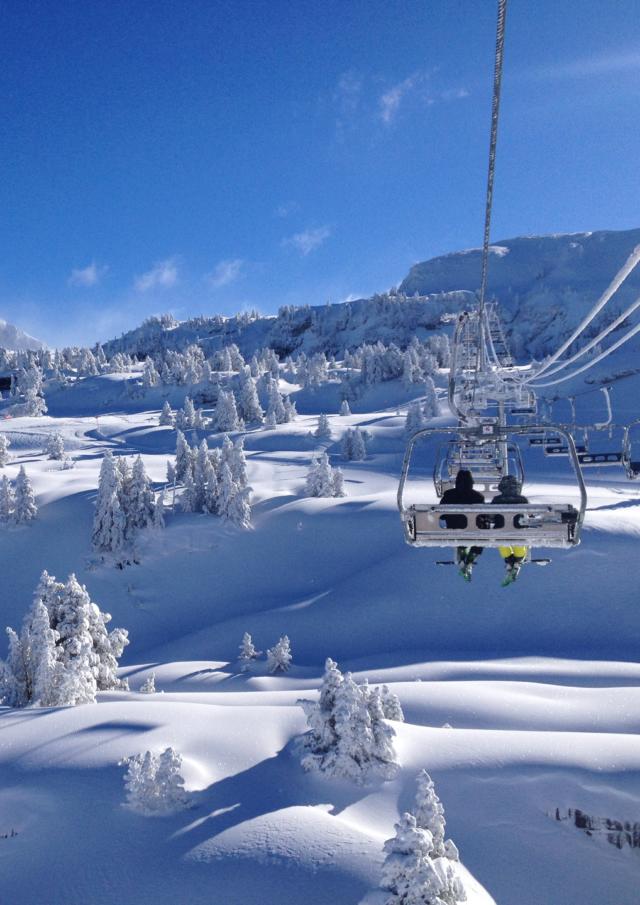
(488, 524)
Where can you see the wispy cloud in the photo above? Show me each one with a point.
(162, 275)
(347, 99)
(607, 63)
(87, 276)
(308, 240)
(286, 209)
(420, 85)
(225, 272)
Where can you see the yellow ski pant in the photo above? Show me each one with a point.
(518, 552)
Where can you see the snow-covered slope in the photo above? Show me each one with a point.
(15, 339)
(544, 285)
(517, 700)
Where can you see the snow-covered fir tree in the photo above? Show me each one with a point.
(140, 499)
(154, 783)
(414, 420)
(275, 404)
(249, 403)
(408, 873)
(24, 507)
(344, 408)
(391, 705)
(183, 456)
(189, 498)
(149, 685)
(159, 509)
(226, 414)
(430, 408)
(323, 429)
(279, 656)
(323, 480)
(150, 376)
(6, 500)
(354, 447)
(54, 448)
(167, 416)
(109, 521)
(248, 652)
(348, 736)
(64, 653)
(4, 450)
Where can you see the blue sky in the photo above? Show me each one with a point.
(202, 156)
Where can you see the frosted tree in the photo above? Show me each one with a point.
(14, 674)
(348, 734)
(55, 446)
(344, 408)
(188, 419)
(429, 813)
(226, 414)
(238, 463)
(270, 421)
(430, 408)
(25, 509)
(279, 656)
(183, 456)
(248, 652)
(150, 376)
(109, 522)
(159, 509)
(211, 488)
(166, 415)
(189, 498)
(6, 500)
(290, 411)
(414, 420)
(354, 447)
(239, 508)
(154, 783)
(275, 404)
(323, 429)
(391, 706)
(320, 743)
(140, 497)
(249, 403)
(322, 480)
(44, 667)
(4, 450)
(407, 871)
(149, 685)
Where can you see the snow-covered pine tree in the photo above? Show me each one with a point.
(149, 685)
(6, 500)
(200, 477)
(249, 403)
(25, 509)
(14, 692)
(430, 408)
(44, 663)
(248, 652)
(4, 450)
(391, 705)
(290, 411)
(320, 743)
(140, 497)
(109, 522)
(154, 783)
(150, 376)
(188, 500)
(337, 483)
(226, 414)
(270, 421)
(344, 408)
(407, 871)
(210, 488)
(183, 456)
(322, 480)
(159, 510)
(354, 447)
(429, 813)
(414, 420)
(166, 415)
(238, 464)
(55, 446)
(279, 656)
(323, 430)
(239, 508)
(275, 404)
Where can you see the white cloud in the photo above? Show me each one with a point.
(162, 275)
(419, 83)
(87, 276)
(225, 272)
(305, 242)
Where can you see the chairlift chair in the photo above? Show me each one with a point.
(488, 524)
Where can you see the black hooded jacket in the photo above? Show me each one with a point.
(463, 493)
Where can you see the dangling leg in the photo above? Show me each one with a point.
(465, 562)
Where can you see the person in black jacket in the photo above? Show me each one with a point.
(510, 493)
(463, 493)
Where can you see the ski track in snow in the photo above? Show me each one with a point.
(538, 684)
